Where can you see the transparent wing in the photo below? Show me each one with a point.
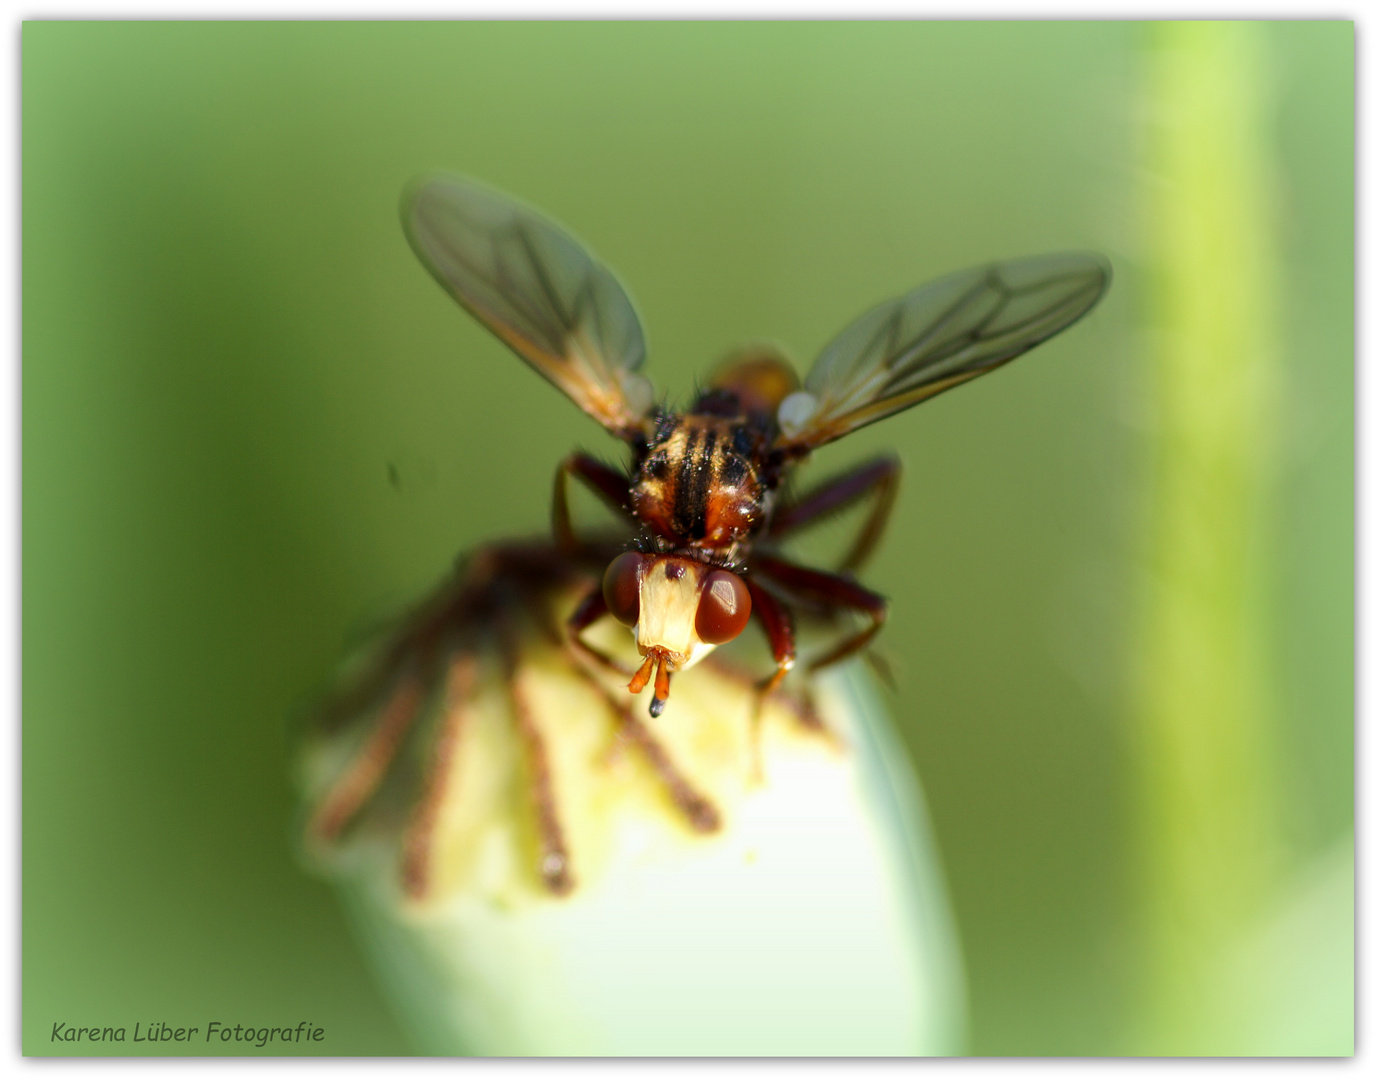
(538, 290)
(936, 337)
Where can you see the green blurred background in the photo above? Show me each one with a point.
(1121, 571)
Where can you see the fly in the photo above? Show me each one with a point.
(704, 491)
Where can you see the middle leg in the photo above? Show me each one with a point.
(878, 478)
(609, 484)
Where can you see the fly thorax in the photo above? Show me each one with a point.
(698, 486)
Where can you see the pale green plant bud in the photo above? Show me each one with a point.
(538, 867)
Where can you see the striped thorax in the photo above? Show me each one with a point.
(699, 490)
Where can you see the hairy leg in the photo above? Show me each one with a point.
(821, 589)
(877, 478)
(606, 482)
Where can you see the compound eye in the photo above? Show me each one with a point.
(621, 587)
(723, 609)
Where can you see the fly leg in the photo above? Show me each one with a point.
(827, 592)
(797, 701)
(777, 621)
(609, 484)
(878, 477)
(655, 665)
(778, 627)
(592, 608)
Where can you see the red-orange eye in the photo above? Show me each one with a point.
(723, 609)
(621, 587)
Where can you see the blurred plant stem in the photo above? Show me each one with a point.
(1207, 796)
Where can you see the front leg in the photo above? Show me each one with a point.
(828, 591)
(593, 607)
(778, 628)
(609, 484)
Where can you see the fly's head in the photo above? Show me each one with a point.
(680, 608)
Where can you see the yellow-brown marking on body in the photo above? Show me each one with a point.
(759, 376)
(696, 488)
